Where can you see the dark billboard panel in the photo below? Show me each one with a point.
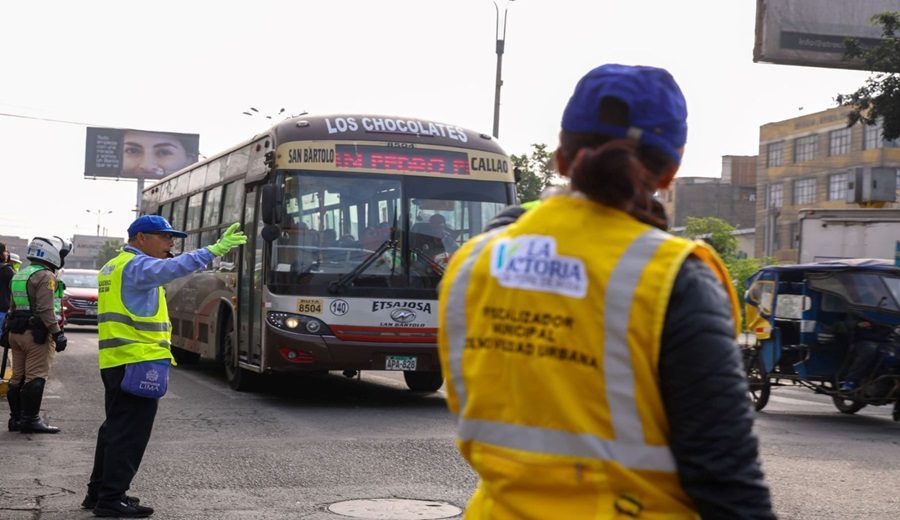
(812, 32)
(137, 154)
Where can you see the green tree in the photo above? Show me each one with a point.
(535, 172)
(108, 251)
(715, 231)
(719, 234)
(880, 96)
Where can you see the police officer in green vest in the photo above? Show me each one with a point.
(34, 332)
(133, 326)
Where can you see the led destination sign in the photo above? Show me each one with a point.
(395, 159)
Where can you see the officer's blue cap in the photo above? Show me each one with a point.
(153, 224)
(656, 106)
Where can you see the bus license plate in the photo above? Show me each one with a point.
(400, 363)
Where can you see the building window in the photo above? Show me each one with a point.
(774, 154)
(805, 148)
(776, 237)
(837, 186)
(839, 142)
(873, 137)
(804, 191)
(776, 196)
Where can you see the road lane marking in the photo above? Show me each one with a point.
(790, 400)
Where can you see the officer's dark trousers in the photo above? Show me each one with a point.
(122, 438)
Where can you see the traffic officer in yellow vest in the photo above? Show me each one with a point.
(590, 356)
(34, 332)
(133, 323)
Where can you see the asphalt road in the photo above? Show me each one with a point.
(294, 447)
(822, 464)
(284, 452)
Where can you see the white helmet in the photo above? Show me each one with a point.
(51, 251)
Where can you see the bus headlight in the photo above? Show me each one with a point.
(298, 323)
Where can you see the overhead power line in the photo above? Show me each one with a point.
(48, 119)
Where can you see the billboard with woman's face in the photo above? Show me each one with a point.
(137, 154)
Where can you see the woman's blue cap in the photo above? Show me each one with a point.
(153, 224)
(656, 106)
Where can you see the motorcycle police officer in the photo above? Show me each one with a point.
(34, 332)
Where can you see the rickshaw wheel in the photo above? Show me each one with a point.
(847, 406)
(758, 384)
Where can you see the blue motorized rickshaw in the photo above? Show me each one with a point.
(801, 317)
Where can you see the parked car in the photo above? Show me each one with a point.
(79, 302)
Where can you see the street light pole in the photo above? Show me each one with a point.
(99, 214)
(501, 40)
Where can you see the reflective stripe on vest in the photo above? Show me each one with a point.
(629, 447)
(124, 336)
(19, 286)
(57, 299)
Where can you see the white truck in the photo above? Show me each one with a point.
(829, 234)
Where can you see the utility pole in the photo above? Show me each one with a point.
(99, 214)
(501, 40)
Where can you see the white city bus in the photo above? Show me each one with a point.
(351, 220)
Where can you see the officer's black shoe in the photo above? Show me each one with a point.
(14, 422)
(90, 501)
(36, 425)
(122, 509)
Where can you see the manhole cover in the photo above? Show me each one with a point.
(394, 509)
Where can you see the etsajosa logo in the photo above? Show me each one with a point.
(530, 262)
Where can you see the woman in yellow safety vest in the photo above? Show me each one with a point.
(589, 355)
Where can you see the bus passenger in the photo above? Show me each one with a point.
(133, 328)
(589, 355)
(373, 236)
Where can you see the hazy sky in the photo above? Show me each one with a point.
(194, 67)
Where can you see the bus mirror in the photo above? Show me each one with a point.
(270, 232)
(517, 174)
(269, 204)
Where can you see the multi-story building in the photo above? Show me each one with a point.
(809, 162)
(86, 250)
(731, 197)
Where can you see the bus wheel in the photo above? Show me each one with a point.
(423, 381)
(847, 406)
(238, 378)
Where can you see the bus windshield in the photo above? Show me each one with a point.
(369, 231)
